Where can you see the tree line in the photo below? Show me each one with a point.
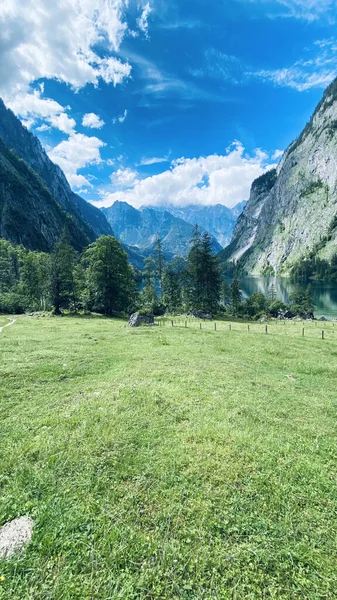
(100, 279)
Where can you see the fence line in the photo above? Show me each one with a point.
(267, 329)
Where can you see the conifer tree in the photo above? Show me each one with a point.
(236, 295)
(110, 280)
(62, 275)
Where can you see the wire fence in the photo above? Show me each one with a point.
(306, 329)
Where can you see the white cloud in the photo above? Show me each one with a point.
(298, 77)
(32, 107)
(57, 40)
(309, 10)
(155, 160)
(75, 153)
(143, 21)
(63, 123)
(316, 70)
(92, 121)
(124, 178)
(277, 154)
(206, 180)
(121, 118)
(43, 128)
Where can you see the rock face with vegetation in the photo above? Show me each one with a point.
(292, 211)
(29, 213)
(88, 220)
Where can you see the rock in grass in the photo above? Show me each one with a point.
(15, 535)
(138, 319)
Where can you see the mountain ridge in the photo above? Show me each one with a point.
(140, 227)
(29, 148)
(294, 213)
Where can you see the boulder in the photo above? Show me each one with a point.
(323, 319)
(138, 319)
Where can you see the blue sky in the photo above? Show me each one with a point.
(157, 102)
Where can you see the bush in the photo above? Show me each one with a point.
(11, 303)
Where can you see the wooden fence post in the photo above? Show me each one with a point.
(172, 323)
(323, 335)
(230, 327)
(266, 329)
(303, 332)
(200, 326)
(214, 326)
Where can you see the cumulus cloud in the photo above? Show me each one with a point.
(124, 178)
(32, 107)
(58, 40)
(92, 121)
(75, 153)
(207, 180)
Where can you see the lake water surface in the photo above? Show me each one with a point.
(324, 294)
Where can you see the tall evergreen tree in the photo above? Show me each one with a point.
(149, 297)
(110, 280)
(62, 275)
(236, 295)
(160, 261)
(204, 273)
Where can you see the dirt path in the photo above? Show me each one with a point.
(12, 321)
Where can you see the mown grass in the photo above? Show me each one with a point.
(168, 462)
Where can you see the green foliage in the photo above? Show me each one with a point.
(203, 273)
(312, 187)
(301, 301)
(110, 281)
(265, 182)
(236, 295)
(100, 279)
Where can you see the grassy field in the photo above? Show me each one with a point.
(168, 462)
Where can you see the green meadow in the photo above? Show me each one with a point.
(169, 462)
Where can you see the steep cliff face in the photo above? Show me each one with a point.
(29, 214)
(28, 147)
(292, 211)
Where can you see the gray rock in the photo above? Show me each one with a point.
(138, 319)
(15, 535)
(323, 319)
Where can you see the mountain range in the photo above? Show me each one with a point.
(141, 228)
(36, 202)
(292, 211)
(217, 219)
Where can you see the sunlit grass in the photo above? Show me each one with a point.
(169, 462)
